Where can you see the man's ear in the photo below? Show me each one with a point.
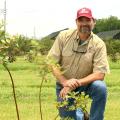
(76, 21)
(94, 20)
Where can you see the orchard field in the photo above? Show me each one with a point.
(27, 81)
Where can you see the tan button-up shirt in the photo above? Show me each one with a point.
(76, 60)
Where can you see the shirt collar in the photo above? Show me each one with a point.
(86, 41)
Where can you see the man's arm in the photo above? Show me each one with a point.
(81, 82)
(72, 83)
(58, 74)
(90, 78)
(68, 85)
(100, 65)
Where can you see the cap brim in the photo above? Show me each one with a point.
(84, 15)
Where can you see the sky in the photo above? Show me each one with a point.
(38, 18)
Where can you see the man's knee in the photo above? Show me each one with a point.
(99, 88)
(65, 113)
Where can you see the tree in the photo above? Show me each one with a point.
(113, 49)
(107, 24)
(45, 45)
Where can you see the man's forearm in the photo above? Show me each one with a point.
(90, 78)
(72, 83)
(58, 74)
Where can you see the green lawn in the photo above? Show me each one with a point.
(27, 81)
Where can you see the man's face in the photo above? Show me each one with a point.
(85, 25)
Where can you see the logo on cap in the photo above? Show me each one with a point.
(84, 12)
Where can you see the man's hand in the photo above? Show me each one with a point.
(65, 91)
(72, 83)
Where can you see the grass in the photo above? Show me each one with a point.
(27, 81)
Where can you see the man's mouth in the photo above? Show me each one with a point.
(85, 29)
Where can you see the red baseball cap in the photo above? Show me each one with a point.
(84, 12)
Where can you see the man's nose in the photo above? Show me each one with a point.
(84, 23)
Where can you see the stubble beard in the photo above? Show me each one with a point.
(85, 30)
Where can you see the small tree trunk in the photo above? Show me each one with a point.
(40, 92)
(86, 115)
(13, 86)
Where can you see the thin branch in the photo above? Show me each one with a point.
(13, 86)
(56, 116)
(40, 101)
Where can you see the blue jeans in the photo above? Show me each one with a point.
(97, 92)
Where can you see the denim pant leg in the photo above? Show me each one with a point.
(98, 92)
(63, 111)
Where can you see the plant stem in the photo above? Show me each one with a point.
(40, 102)
(13, 86)
(86, 115)
(56, 116)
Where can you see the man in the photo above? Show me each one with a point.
(82, 55)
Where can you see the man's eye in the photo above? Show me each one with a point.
(80, 20)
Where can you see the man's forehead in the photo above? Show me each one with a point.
(84, 18)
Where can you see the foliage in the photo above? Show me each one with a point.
(45, 45)
(113, 49)
(80, 102)
(24, 44)
(8, 49)
(107, 24)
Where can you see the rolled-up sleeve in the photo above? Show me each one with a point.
(100, 61)
(56, 49)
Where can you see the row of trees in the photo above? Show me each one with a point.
(107, 24)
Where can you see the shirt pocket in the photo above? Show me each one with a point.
(87, 60)
(89, 56)
(67, 57)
